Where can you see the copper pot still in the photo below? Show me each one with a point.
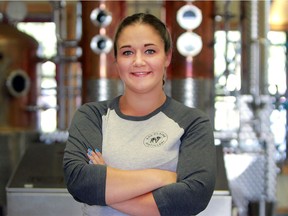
(18, 79)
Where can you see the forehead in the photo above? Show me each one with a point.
(139, 32)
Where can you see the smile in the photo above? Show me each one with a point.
(140, 73)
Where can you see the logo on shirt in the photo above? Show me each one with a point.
(155, 139)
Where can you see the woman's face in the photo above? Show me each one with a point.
(141, 59)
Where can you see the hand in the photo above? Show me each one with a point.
(95, 157)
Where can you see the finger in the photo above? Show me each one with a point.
(91, 159)
(92, 156)
(95, 158)
(101, 159)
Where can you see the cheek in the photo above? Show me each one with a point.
(123, 62)
(160, 65)
(122, 68)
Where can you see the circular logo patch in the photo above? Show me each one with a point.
(155, 139)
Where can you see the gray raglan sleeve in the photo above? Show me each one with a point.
(85, 182)
(196, 171)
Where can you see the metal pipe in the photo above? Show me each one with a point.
(254, 48)
(68, 32)
(263, 29)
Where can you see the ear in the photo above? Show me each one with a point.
(168, 58)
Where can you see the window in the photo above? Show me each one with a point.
(44, 33)
(227, 72)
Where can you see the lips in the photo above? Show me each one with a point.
(140, 74)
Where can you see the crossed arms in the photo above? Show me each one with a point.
(129, 191)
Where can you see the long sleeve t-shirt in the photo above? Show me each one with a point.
(174, 137)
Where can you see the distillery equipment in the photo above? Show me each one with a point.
(18, 79)
(18, 83)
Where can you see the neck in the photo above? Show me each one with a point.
(141, 105)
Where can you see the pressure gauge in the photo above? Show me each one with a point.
(100, 17)
(189, 44)
(189, 17)
(101, 44)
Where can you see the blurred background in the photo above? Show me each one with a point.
(230, 59)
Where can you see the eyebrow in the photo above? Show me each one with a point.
(128, 46)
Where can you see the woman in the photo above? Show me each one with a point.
(141, 153)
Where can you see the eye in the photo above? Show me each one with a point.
(150, 51)
(127, 53)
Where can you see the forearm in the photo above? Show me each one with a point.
(122, 185)
(140, 206)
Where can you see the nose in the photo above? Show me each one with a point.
(139, 60)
